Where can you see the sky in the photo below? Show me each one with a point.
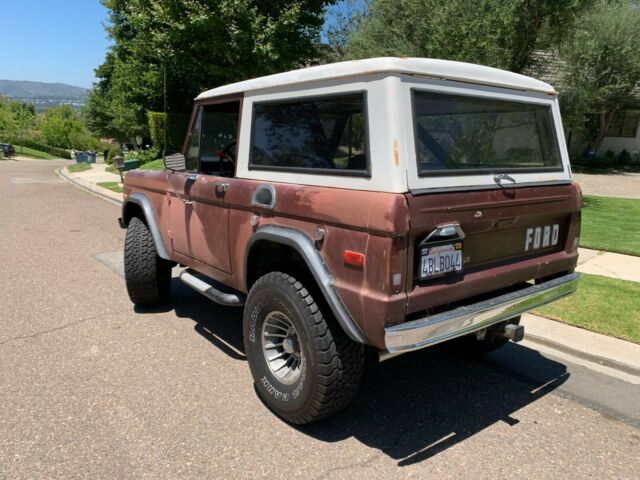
(60, 40)
(52, 40)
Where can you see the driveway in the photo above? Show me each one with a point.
(625, 184)
(90, 387)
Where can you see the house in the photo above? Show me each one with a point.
(624, 131)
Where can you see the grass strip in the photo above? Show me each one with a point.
(601, 304)
(113, 186)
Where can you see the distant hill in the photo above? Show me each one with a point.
(44, 95)
(25, 89)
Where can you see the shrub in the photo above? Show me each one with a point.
(177, 125)
(55, 151)
(113, 152)
(609, 157)
(144, 156)
(624, 158)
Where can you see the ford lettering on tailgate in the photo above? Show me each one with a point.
(541, 237)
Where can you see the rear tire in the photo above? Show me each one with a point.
(304, 366)
(148, 277)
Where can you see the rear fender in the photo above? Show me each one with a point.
(316, 265)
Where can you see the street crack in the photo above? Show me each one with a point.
(61, 327)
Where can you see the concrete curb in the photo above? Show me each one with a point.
(583, 345)
(605, 362)
(86, 188)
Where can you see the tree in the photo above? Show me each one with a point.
(24, 119)
(499, 33)
(63, 128)
(602, 65)
(7, 124)
(199, 44)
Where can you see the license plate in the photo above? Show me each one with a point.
(442, 259)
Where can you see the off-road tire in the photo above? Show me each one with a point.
(333, 363)
(148, 277)
(470, 346)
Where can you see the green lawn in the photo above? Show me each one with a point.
(79, 167)
(611, 224)
(113, 186)
(603, 305)
(153, 165)
(31, 153)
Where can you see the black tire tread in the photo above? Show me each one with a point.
(340, 360)
(147, 276)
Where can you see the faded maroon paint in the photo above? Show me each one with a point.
(385, 227)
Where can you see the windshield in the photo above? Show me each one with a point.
(470, 135)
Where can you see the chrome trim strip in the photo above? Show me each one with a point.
(454, 323)
(422, 191)
(304, 246)
(144, 203)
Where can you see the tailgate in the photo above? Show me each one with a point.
(500, 227)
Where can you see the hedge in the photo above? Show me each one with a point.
(113, 151)
(177, 125)
(55, 151)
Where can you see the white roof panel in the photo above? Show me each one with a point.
(427, 67)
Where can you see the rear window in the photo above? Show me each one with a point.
(318, 135)
(463, 134)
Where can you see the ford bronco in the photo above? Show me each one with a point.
(381, 205)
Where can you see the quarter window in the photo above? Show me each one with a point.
(323, 135)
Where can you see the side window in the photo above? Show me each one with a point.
(218, 144)
(322, 135)
(193, 149)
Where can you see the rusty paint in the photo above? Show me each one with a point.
(377, 224)
(396, 155)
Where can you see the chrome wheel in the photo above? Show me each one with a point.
(281, 347)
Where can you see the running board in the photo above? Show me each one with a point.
(212, 293)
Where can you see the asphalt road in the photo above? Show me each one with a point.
(91, 388)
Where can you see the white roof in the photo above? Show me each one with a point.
(426, 67)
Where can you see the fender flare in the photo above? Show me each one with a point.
(307, 250)
(143, 202)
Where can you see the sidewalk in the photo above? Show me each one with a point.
(89, 179)
(607, 264)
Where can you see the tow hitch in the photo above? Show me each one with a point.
(513, 332)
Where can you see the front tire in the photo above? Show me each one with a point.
(304, 366)
(148, 277)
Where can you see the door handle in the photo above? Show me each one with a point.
(222, 187)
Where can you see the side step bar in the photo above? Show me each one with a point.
(212, 293)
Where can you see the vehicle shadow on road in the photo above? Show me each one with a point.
(221, 326)
(411, 407)
(418, 405)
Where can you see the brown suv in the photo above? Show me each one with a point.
(385, 204)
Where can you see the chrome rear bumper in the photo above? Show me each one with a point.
(427, 331)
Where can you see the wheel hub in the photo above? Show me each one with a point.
(281, 347)
(290, 345)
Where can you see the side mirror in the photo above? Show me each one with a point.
(175, 161)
